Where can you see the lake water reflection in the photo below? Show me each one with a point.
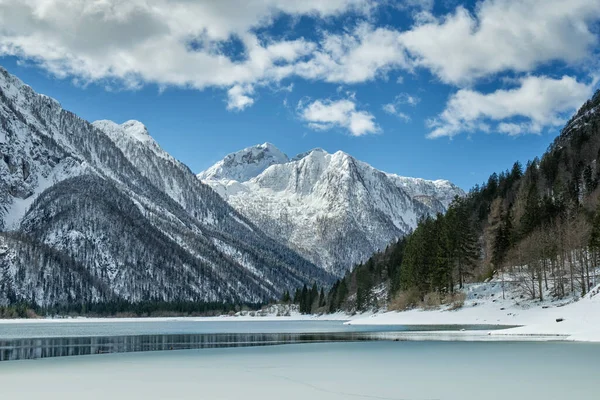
(44, 340)
(18, 349)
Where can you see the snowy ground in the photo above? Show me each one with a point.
(485, 305)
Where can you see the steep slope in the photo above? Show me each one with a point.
(216, 254)
(332, 208)
(33, 272)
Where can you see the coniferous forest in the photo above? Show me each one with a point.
(537, 225)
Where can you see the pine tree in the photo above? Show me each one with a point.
(313, 298)
(464, 247)
(322, 299)
(297, 296)
(531, 214)
(304, 300)
(503, 238)
(516, 172)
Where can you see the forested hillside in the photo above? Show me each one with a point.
(536, 225)
(93, 215)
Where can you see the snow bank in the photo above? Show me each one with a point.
(579, 320)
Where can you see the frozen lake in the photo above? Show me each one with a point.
(24, 340)
(361, 370)
(74, 328)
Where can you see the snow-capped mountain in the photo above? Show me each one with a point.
(331, 208)
(99, 212)
(245, 165)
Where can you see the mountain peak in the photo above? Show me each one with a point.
(307, 153)
(137, 130)
(7, 78)
(16, 90)
(267, 146)
(131, 129)
(245, 164)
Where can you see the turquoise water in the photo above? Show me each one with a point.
(353, 370)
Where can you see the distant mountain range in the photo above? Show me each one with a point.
(100, 213)
(331, 208)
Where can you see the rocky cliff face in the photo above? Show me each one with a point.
(331, 208)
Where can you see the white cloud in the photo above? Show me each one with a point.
(539, 102)
(405, 98)
(361, 55)
(502, 35)
(516, 129)
(327, 114)
(394, 107)
(238, 97)
(181, 43)
(391, 108)
(166, 42)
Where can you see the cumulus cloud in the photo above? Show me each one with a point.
(187, 43)
(537, 103)
(167, 42)
(238, 97)
(503, 35)
(361, 55)
(328, 114)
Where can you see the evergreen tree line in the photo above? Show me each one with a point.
(438, 256)
(121, 307)
(309, 300)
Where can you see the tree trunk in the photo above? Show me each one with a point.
(544, 263)
(582, 269)
(571, 270)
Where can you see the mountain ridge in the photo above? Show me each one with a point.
(317, 199)
(51, 158)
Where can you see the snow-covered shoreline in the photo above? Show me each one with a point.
(294, 316)
(567, 320)
(536, 321)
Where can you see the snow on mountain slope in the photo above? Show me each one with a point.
(332, 208)
(108, 199)
(31, 161)
(245, 164)
(164, 171)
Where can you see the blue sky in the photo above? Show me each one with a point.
(433, 89)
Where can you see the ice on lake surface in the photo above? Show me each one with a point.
(140, 326)
(44, 340)
(367, 370)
